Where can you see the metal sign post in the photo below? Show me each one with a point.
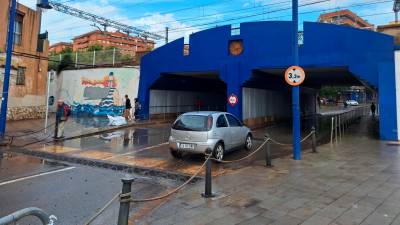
(296, 89)
(7, 69)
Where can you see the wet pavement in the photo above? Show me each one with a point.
(353, 182)
(147, 148)
(73, 193)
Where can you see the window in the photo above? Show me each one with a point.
(221, 121)
(21, 76)
(192, 123)
(18, 29)
(233, 122)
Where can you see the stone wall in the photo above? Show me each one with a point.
(27, 112)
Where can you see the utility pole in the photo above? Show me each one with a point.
(7, 69)
(166, 35)
(296, 89)
(396, 9)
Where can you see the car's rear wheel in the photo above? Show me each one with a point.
(176, 154)
(219, 151)
(249, 142)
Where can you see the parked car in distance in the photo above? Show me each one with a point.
(221, 132)
(352, 102)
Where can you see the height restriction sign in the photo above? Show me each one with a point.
(295, 75)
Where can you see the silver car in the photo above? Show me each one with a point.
(221, 132)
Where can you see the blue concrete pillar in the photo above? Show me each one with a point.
(144, 99)
(230, 74)
(387, 102)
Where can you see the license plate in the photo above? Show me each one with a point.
(186, 146)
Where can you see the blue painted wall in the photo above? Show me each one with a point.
(267, 46)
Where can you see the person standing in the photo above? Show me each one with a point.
(128, 107)
(373, 109)
(138, 107)
(62, 114)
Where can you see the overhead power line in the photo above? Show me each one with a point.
(193, 27)
(248, 16)
(103, 21)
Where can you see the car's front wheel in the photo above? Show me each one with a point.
(219, 151)
(176, 154)
(249, 142)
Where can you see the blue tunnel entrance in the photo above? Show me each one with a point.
(330, 55)
(174, 94)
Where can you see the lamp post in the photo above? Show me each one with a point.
(296, 89)
(7, 69)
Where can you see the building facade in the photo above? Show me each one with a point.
(59, 47)
(391, 29)
(127, 44)
(27, 93)
(345, 17)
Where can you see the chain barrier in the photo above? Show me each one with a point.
(102, 209)
(30, 133)
(302, 140)
(13, 137)
(173, 191)
(127, 197)
(246, 157)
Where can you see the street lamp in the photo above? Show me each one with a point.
(44, 4)
(7, 67)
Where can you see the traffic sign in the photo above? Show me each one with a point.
(233, 100)
(295, 75)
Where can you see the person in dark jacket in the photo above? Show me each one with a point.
(62, 114)
(138, 107)
(128, 107)
(373, 109)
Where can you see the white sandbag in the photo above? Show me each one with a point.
(116, 120)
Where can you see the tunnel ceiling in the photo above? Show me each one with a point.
(190, 82)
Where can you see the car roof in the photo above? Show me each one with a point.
(203, 113)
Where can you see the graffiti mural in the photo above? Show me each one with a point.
(99, 92)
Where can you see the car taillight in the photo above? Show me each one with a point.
(209, 122)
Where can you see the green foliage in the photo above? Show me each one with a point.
(66, 62)
(331, 91)
(95, 47)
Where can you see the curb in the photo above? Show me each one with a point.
(143, 171)
(106, 130)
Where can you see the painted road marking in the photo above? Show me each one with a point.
(139, 150)
(37, 175)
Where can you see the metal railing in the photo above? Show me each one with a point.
(340, 122)
(45, 218)
(84, 59)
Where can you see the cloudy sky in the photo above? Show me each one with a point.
(187, 16)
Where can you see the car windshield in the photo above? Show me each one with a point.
(191, 123)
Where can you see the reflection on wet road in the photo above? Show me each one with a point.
(147, 147)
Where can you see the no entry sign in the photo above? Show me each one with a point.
(233, 100)
(295, 75)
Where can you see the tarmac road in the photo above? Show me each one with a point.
(72, 193)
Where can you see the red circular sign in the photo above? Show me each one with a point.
(233, 100)
(295, 75)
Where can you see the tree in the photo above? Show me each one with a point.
(95, 47)
(66, 61)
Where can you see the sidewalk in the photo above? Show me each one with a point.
(74, 128)
(356, 182)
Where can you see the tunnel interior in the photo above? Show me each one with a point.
(174, 94)
(267, 97)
